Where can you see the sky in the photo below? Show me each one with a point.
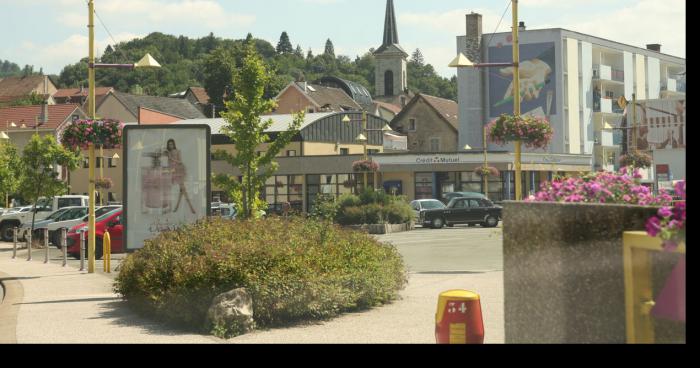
(51, 34)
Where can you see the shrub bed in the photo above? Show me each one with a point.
(373, 207)
(294, 270)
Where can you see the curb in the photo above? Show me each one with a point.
(12, 295)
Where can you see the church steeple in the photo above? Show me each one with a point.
(391, 36)
(391, 69)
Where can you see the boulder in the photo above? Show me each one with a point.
(231, 314)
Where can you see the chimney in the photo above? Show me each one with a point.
(654, 47)
(474, 29)
(522, 26)
(44, 117)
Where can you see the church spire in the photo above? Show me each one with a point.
(391, 36)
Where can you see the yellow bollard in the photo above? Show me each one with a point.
(107, 252)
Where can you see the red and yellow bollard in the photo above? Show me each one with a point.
(107, 252)
(459, 319)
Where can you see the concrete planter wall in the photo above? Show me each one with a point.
(564, 275)
(382, 229)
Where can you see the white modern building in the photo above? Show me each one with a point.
(571, 78)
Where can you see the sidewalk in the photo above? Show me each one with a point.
(46, 303)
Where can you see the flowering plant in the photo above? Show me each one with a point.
(103, 183)
(636, 159)
(602, 187)
(487, 171)
(102, 133)
(364, 166)
(532, 131)
(350, 183)
(669, 223)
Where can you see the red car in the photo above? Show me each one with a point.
(112, 222)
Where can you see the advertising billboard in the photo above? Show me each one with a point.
(167, 179)
(660, 124)
(537, 77)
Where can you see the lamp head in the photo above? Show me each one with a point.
(4, 136)
(387, 129)
(461, 61)
(147, 62)
(346, 119)
(116, 157)
(361, 138)
(467, 148)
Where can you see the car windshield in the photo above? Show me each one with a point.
(432, 205)
(56, 214)
(107, 215)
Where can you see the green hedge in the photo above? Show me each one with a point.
(294, 269)
(372, 207)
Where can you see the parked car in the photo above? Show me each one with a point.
(44, 207)
(111, 222)
(39, 225)
(465, 210)
(224, 210)
(421, 205)
(447, 197)
(69, 220)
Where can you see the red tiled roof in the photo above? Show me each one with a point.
(200, 94)
(391, 107)
(75, 92)
(27, 115)
(20, 86)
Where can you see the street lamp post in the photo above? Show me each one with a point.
(5, 138)
(364, 139)
(146, 61)
(461, 61)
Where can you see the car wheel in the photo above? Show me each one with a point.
(491, 222)
(57, 239)
(438, 223)
(6, 232)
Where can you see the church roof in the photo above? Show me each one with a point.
(391, 35)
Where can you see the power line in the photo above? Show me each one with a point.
(499, 23)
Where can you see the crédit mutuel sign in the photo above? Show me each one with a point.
(438, 160)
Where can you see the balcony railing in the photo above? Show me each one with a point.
(606, 72)
(607, 105)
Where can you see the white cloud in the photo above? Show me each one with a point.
(156, 13)
(644, 22)
(53, 57)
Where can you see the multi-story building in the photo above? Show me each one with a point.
(573, 79)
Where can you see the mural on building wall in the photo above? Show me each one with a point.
(167, 176)
(660, 124)
(537, 76)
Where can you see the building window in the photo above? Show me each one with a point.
(411, 125)
(372, 152)
(434, 144)
(291, 153)
(344, 151)
(388, 83)
(111, 163)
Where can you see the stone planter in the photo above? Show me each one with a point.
(381, 229)
(564, 273)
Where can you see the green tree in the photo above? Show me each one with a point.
(299, 52)
(30, 100)
(9, 170)
(284, 46)
(39, 161)
(330, 50)
(418, 58)
(219, 66)
(247, 131)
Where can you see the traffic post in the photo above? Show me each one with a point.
(459, 319)
(29, 246)
(64, 246)
(14, 238)
(82, 250)
(46, 245)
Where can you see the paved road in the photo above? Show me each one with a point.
(63, 305)
(458, 249)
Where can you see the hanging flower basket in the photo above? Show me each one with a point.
(487, 171)
(103, 183)
(365, 166)
(636, 159)
(102, 133)
(532, 131)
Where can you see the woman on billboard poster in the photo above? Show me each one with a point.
(179, 172)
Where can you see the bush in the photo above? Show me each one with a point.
(371, 196)
(351, 216)
(398, 213)
(325, 208)
(290, 272)
(349, 200)
(373, 214)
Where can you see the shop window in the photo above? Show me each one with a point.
(291, 153)
(344, 151)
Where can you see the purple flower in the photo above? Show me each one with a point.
(653, 226)
(665, 212)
